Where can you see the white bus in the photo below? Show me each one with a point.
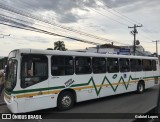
(41, 79)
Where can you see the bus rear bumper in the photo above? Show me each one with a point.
(12, 106)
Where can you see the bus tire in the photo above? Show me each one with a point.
(140, 87)
(65, 101)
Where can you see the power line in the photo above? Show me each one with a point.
(42, 20)
(105, 40)
(8, 8)
(101, 38)
(50, 33)
(23, 21)
(24, 25)
(119, 14)
(107, 16)
(70, 19)
(125, 18)
(33, 10)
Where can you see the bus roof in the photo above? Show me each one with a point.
(72, 53)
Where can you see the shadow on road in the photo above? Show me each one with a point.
(99, 101)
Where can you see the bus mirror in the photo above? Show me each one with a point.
(5, 68)
(6, 71)
(29, 65)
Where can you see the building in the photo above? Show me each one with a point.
(112, 49)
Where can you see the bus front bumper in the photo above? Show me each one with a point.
(12, 105)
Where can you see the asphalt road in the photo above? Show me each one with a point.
(124, 103)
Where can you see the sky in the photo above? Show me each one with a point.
(98, 21)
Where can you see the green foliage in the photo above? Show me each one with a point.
(59, 45)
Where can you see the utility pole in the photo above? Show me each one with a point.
(98, 46)
(156, 46)
(134, 32)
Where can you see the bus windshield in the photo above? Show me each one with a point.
(11, 75)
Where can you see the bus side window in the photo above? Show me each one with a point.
(112, 65)
(37, 72)
(135, 65)
(62, 65)
(139, 65)
(99, 65)
(124, 65)
(147, 66)
(83, 65)
(154, 67)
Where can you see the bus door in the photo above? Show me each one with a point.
(136, 68)
(153, 73)
(126, 75)
(155, 69)
(119, 73)
(34, 81)
(147, 68)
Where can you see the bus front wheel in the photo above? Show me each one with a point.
(140, 87)
(65, 100)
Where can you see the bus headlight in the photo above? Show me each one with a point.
(12, 98)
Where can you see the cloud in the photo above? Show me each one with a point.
(119, 3)
(68, 17)
(62, 9)
(35, 39)
(131, 5)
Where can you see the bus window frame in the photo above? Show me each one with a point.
(32, 78)
(90, 66)
(144, 68)
(64, 66)
(136, 66)
(154, 68)
(104, 66)
(108, 69)
(126, 66)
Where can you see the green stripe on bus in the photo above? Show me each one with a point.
(35, 90)
(76, 85)
(106, 79)
(151, 77)
(85, 84)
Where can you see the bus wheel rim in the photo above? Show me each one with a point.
(66, 101)
(140, 87)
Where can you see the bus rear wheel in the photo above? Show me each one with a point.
(65, 101)
(140, 87)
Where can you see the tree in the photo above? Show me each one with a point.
(59, 45)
